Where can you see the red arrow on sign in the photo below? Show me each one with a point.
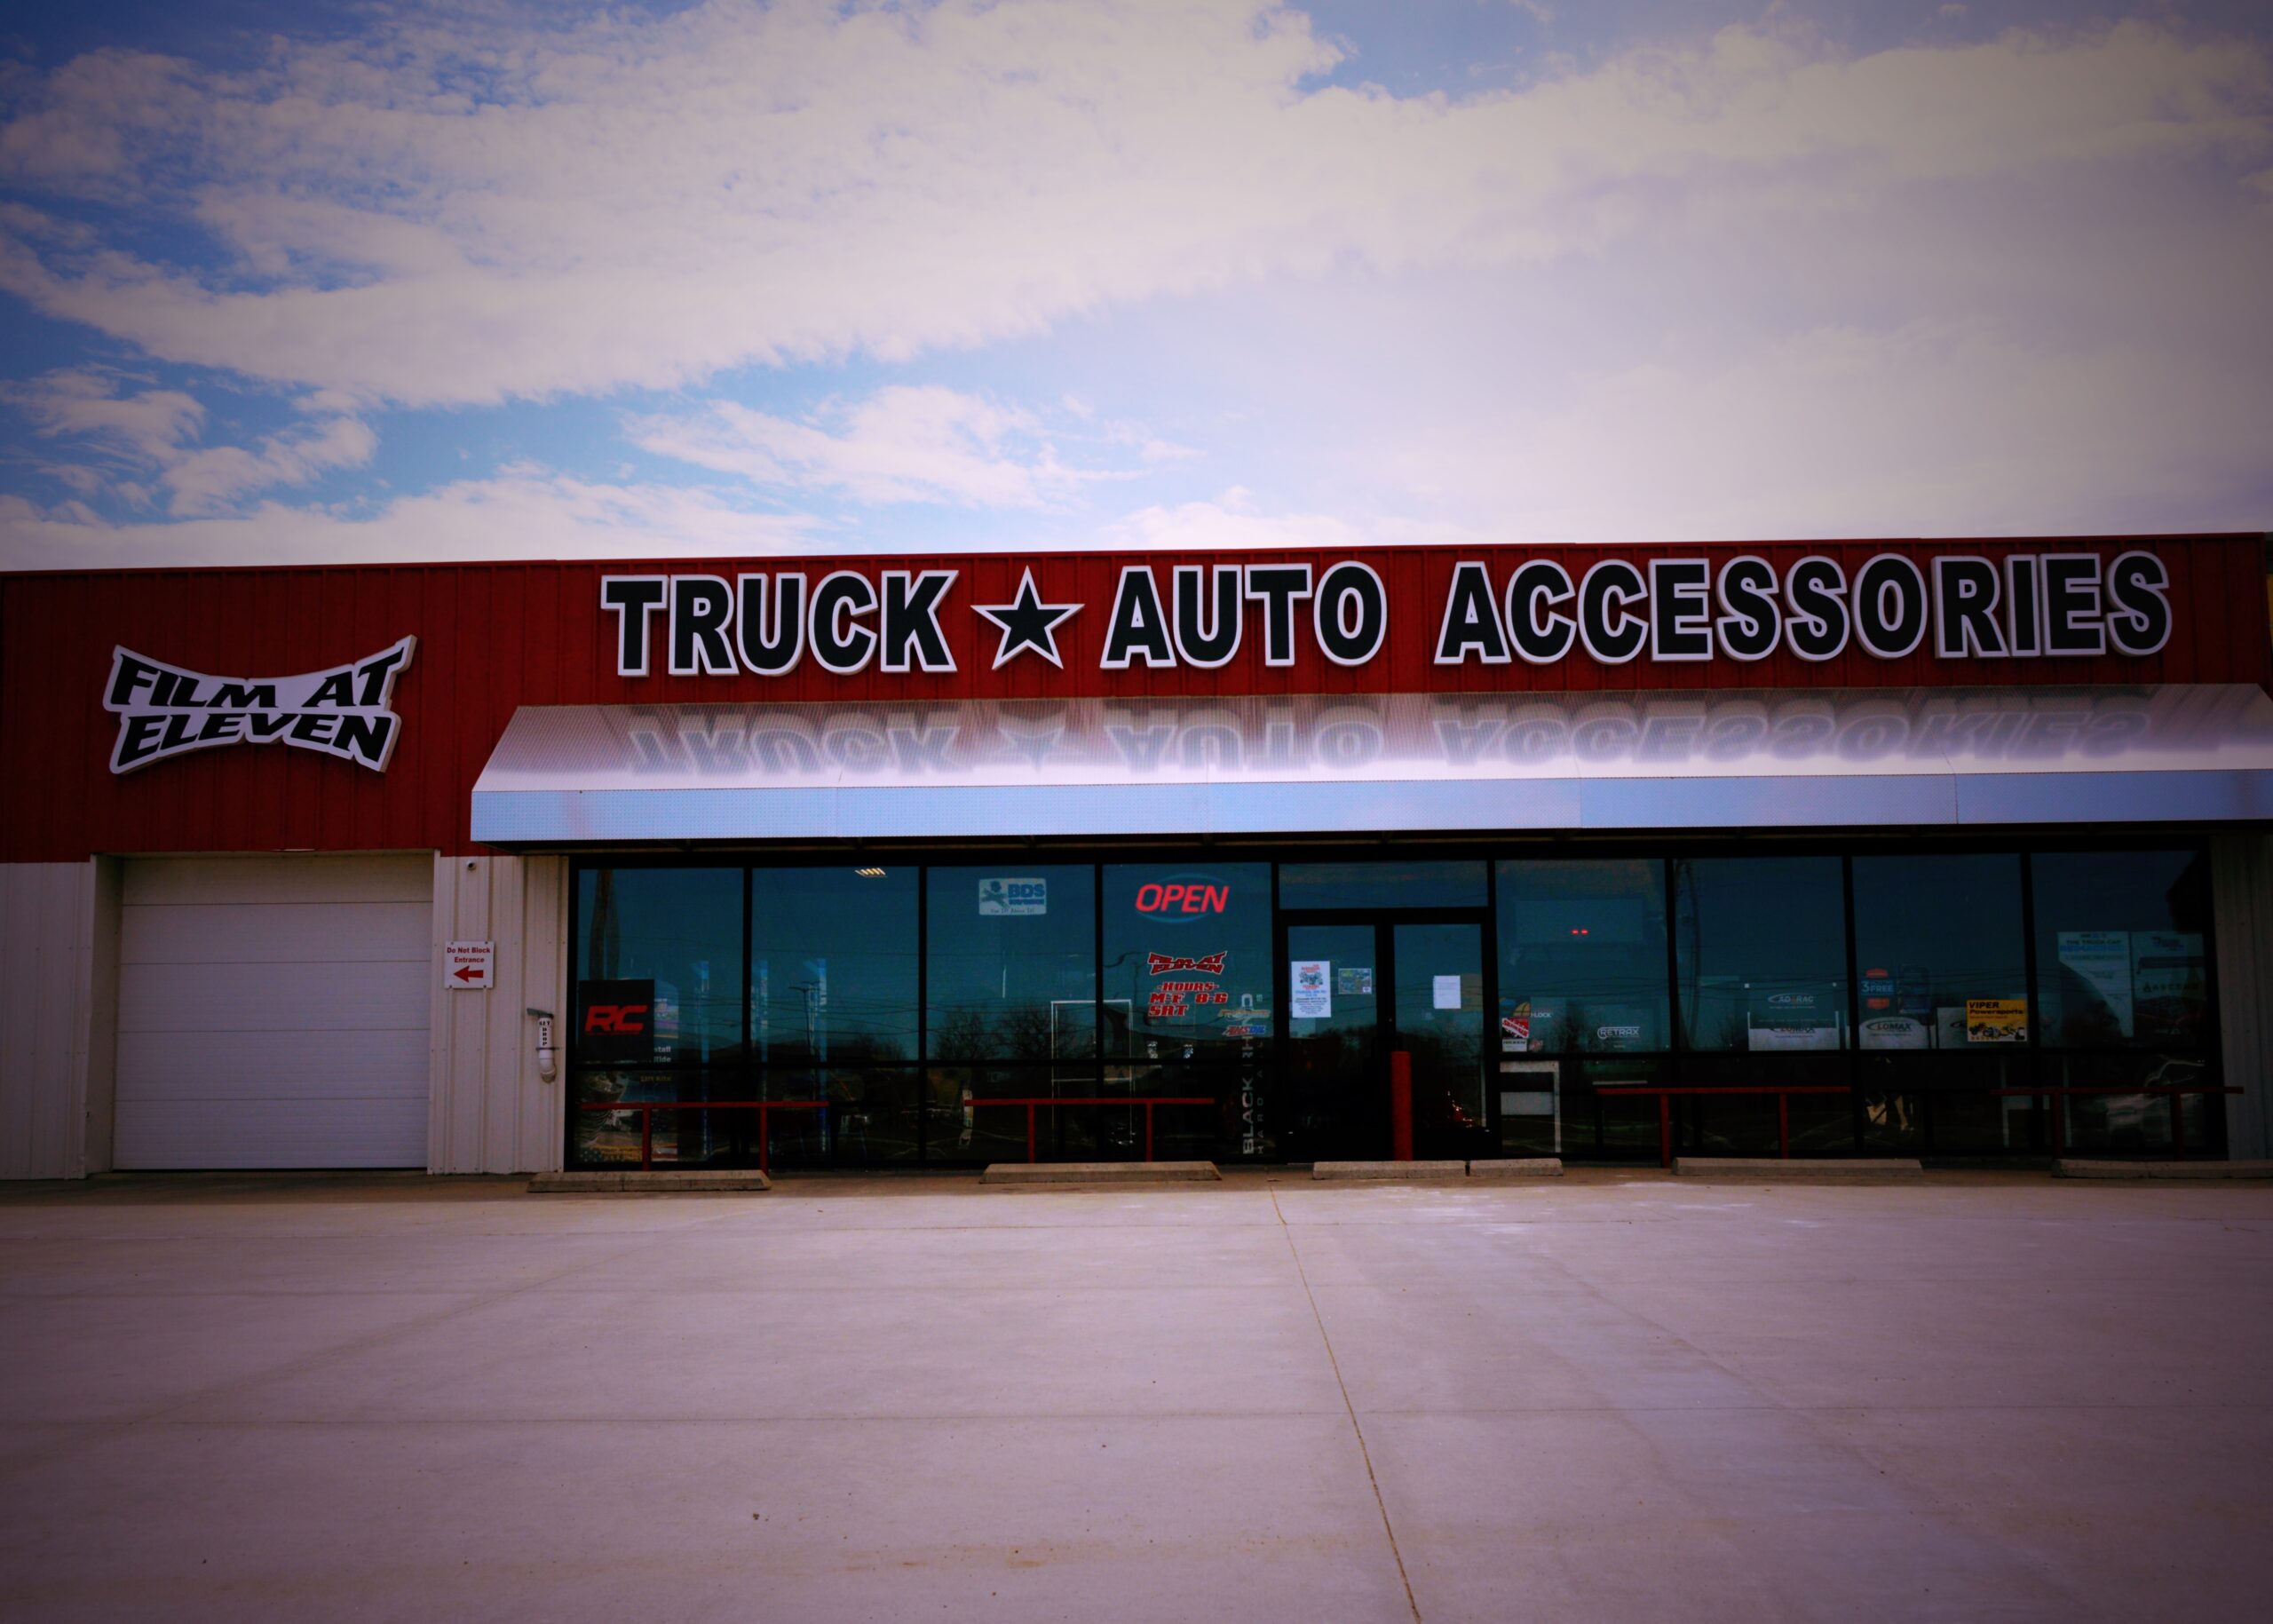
(467, 974)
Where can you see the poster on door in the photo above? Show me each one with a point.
(1311, 984)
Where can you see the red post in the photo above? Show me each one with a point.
(1400, 1106)
(1029, 1131)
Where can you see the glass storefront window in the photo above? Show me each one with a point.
(2122, 949)
(1940, 956)
(833, 960)
(1582, 956)
(1011, 962)
(866, 1116)
(1761, 953)
(1393, 882)
(659, 967)
(1187, 962)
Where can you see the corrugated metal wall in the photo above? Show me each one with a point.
(496, 636)
(489, 1112)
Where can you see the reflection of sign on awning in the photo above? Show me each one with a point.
(1282, 764)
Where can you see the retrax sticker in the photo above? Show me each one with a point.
(166, 710)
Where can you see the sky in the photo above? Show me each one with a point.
(297, 282)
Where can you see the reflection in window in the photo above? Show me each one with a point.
(1761, 951)
(1940, 955)
(864, 1115)
(1391, 882)
(2121, 960)
(658, 966)
(833, 957)
(1582, 956)
(1187, 962)
(1011, 962)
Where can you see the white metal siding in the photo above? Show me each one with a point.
(491, 1112)
(273, 1011)
(51, 954)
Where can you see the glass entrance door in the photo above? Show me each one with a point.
(1438, 1012)
(1357, 991)
(1336, 1105)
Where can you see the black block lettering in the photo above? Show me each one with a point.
(1140, 626)
(633, 600)
(1351, 613)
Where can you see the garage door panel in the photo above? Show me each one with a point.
(272, 1012)
(272, 1065)
(327, 1133)
(276, 932)
(273, 998)
(236, 881)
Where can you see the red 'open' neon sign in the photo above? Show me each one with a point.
(1174, 897)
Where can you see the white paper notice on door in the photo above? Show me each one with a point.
(1309, 984)
(1447, 991)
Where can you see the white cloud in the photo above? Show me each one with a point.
(902, 444)
(151, 425)
(1229, 521)
(519, 513)
(207, 480)
(643, 200)
(147, 433)
(1932, 427)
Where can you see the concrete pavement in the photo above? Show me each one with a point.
(1607, 1395)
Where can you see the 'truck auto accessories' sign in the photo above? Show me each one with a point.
(1741, 608)
(166, 710)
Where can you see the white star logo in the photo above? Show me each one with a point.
(1027, 622)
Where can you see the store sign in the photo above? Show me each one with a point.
(626, 1022)
(1793, 1018)
(166, 710)
(1002, 898)
(1199, 616)
(1192, 896)
(469, 967)
(1996, 1020)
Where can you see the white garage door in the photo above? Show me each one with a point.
(273, 1011)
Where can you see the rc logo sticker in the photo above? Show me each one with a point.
(166, 710)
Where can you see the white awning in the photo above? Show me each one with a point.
(1351, 763)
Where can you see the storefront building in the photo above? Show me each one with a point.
(1955, 849)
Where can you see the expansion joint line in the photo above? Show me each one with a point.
(1364, 1454)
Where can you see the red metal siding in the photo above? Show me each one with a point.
(493, 637)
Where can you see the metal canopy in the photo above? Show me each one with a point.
(1315, 764)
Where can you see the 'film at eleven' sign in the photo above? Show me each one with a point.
(165, 710)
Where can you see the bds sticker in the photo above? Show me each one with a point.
(999, 898)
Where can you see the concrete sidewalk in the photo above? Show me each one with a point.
(1607, 1395)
